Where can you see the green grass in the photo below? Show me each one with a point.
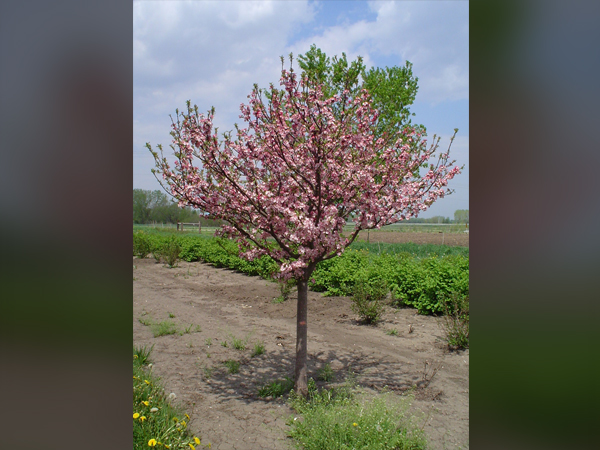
(339, 419)
(163, 328)
(238, 344)
(276, 388)
(259, 349)
(232, 365)
(154, 418)
(142, 354)
(325, 373)
(392, 332)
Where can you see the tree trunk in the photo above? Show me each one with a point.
(301, 386)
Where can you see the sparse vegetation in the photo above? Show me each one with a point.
(367, 299)
(259, 349)
(238, 344)
(325, 373)
(455, 322)
(339, 419)
(232, 365)
(276, 388)
(154, 418)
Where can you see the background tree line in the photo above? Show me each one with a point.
(460, 216)
(157, 207)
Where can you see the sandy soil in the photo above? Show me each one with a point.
(225, 409)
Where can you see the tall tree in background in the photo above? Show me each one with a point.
(461, 216)
(155, 206)
(393, 89)
(307, 162)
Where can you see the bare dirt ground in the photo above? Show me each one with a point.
(225, 409)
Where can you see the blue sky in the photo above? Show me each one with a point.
(213, 52)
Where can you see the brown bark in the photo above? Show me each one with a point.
(300, 375)
(301, 386)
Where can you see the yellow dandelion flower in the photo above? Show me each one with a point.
(183, 424)
(192, 447)
(147, 382)
(354, 424)
(167, 446)
(188, 417)
(142, 418)
(135, 356)
(136, 415)
(147, 403)
(152, 443)
(175, 419)
(197, 441)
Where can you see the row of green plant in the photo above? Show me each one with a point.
(156, 423)
(420, 282)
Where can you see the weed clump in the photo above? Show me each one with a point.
(336, 418)
(367, 300)
(455, 321)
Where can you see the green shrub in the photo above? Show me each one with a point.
(141, 244)
(424, 284)
(455, 322)
(367, 300)
(170, 251)
(419, 276)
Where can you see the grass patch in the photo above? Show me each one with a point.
(155, 421)
(232, 365)
(325, 373)
(238, 344)
(392, 332)
(164, 328)
(337, 419)
(142, 354)
(259, 349)
(276, 388)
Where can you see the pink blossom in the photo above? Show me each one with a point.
(288, 183)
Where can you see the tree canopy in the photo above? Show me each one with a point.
(392, 89)
(308, 161)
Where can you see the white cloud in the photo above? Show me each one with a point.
(213, 52)
(432, 35)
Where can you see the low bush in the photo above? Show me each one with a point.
(455, 322)
(142, 244)
(420, 279)
(367, 300)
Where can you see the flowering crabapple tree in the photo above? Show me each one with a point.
(290, 181)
